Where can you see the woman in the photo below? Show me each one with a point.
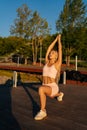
(51, 72)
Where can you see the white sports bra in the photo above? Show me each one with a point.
(49, 71)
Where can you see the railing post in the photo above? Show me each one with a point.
(64, 77)
(14, 79)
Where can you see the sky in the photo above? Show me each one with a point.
(47, 9)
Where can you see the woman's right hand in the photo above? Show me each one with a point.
(59, 37)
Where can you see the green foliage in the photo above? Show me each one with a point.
(7, 46)
(72, 22)
(29, 25)
(31, 32)
(21, 23)
(82, 64)
(25, 51)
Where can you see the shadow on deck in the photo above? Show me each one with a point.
(18, 106)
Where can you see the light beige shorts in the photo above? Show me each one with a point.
(55, 88)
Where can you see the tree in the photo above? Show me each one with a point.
(25, 52)
(30, 25)
(21, 23)
(39, 29)
(71, 20)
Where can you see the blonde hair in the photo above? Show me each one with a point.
(56, 54)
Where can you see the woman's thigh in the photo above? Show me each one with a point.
(46, 89)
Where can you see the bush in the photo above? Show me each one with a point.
(82, 64)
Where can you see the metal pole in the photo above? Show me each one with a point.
(76, 63)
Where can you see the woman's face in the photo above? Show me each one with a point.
(53, 54)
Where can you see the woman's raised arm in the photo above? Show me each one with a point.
(50, 48)
(59, 61)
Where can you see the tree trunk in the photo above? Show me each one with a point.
(34, 51)
(25, 61)
(68, 60)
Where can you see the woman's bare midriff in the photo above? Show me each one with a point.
(47, 80)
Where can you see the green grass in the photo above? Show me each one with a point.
(6, 73)
(23, 76)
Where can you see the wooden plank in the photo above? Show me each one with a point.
(19, 105)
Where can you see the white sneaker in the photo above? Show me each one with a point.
(60, 98)
(40, 115)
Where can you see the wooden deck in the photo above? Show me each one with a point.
(18, 106)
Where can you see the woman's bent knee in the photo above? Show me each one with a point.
(45, 90)
(40, 90)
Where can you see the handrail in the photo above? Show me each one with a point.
(28, 69)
